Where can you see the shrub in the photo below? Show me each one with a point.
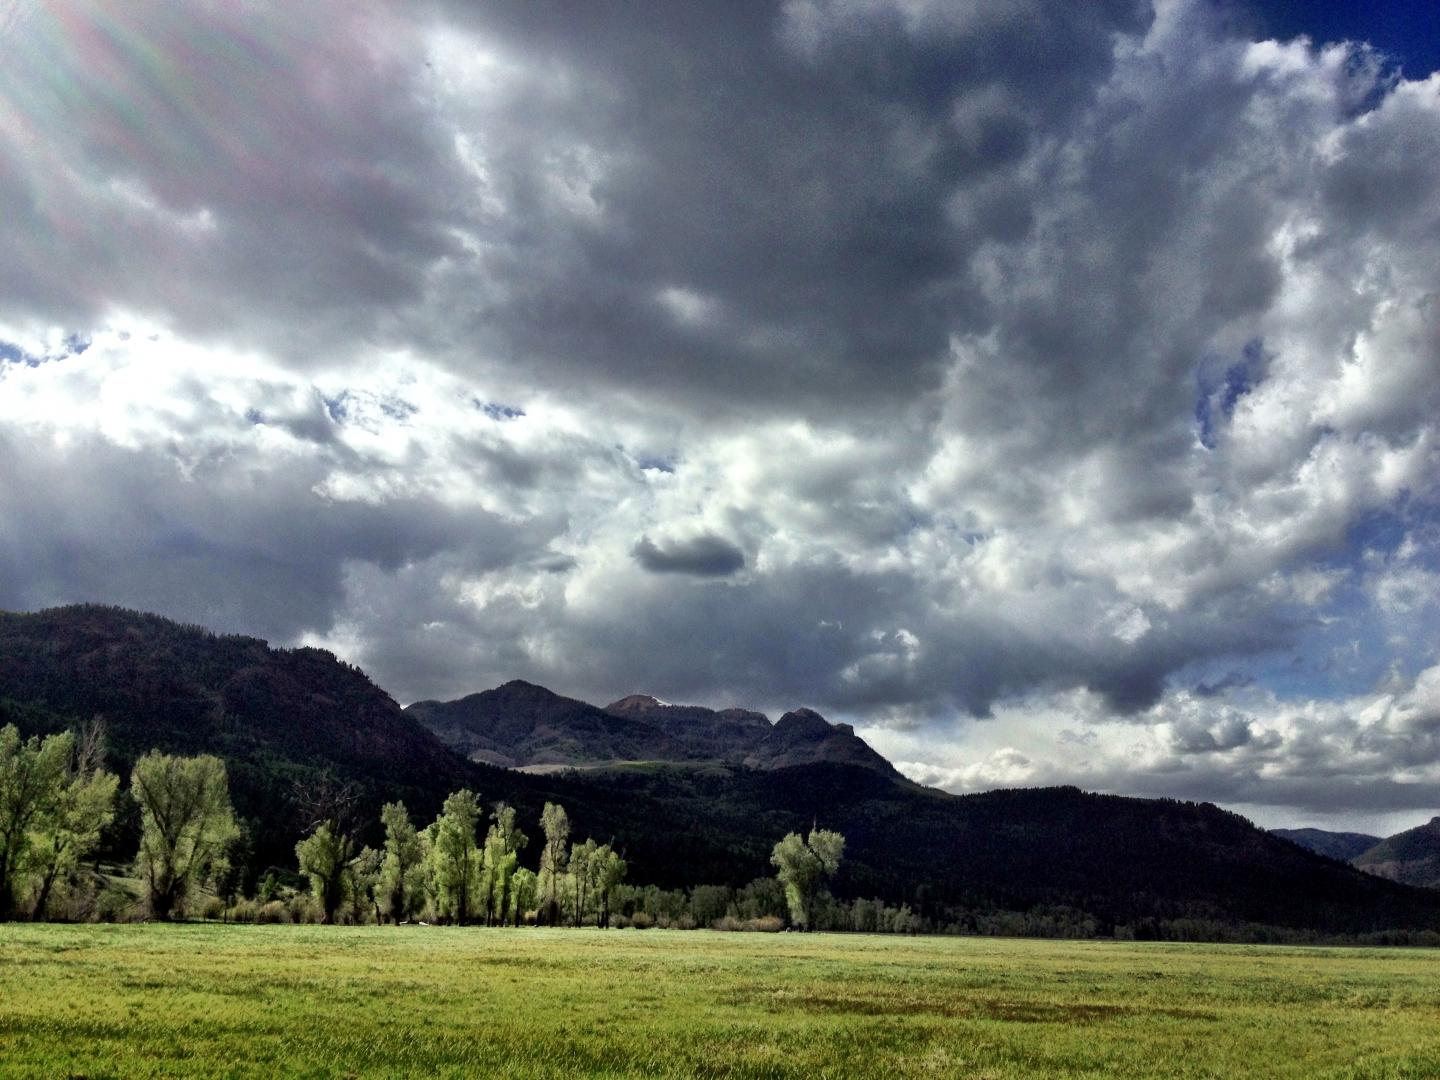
(641, 921)
(213, 908)
(303, 909)
(273, 911)
(115, 905)
(244, 911)
(727, 922)
(766, 924)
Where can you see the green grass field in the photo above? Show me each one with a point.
(208, 1000)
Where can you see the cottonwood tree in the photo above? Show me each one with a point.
(802, 865)
(709, 903)
(233, 865)
(327, 856)
(581, 878)
(52, 804)
(610, 872)
(362, 885)
(556, 826)
(500, 858)
(524, 889)
(454, 856)
(185, 823)
(84, 804)
(401, 884)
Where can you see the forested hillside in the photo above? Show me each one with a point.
(283, 719)
(1412, 856)
(1344, 846)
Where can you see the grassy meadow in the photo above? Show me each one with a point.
(259, 1001)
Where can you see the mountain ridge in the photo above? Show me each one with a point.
(520, 725)
(1411, 857)
(1345, 846)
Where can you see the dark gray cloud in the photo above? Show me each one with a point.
(266, 177)
(704, 556)
(238, 546)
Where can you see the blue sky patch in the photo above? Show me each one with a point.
(496, 411)
(1221, 388)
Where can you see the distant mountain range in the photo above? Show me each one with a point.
(1336, 845)
(520, 725)
(698, 796)
(1412, 857)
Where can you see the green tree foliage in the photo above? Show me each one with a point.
(363, 886)
(402, 872)
(185, 823)
(555, 824)
(581, 879)
(54, 801)
(761, 898)
(499, 861)
(32, 772)
(454, 856)
(232, 867)
(524, 890)
(802, 865)
(84, 805)
(610, 872)
(325, 857)
(709, 903)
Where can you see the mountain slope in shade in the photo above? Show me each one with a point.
(1124, 860)
(1334, 845)
(524, 724)
(521, 725)
(279, 717)
(1412, 856)
(804, 737)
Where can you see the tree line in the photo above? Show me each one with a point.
(57, 799)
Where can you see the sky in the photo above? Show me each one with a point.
(1050, 390)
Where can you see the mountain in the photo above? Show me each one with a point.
(524, 724)
(281, 718)
(1121, 860)
(1334, 845)
(804, 737)
(284, 717)
(1412, 856)
(705, 733)
(801, 737)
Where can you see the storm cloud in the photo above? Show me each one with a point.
(1051, 390)
(707, 556)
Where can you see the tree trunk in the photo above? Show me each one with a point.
(162, 903)
(43, 900)
(6, 908)
(331, 897)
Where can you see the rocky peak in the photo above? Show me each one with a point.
(635, 703)
(803, 723)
